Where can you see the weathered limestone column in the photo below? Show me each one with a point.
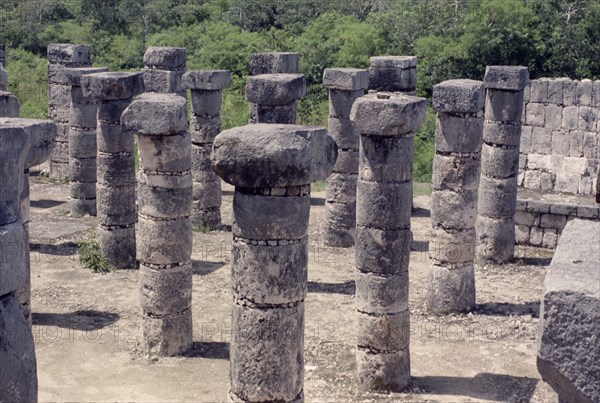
(41, 134)
(18, 373)
(9, 105)
(2, 54)
(205, 124)
(271, 167)
(386, 123)
(345, 86)
(497, 200)
(82, 143)
(456, 164)
(61, 55)
(163, 69)
(164, 229)
(393, 73)
(115, 185)
(273, 97)
(274, 62)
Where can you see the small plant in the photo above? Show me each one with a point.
(205, 229)
(90, 256)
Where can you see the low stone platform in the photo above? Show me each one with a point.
(541, 217)
(568, 357)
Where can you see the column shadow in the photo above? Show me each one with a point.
(84, 320)
(202, 268)
(45, 203)
(211, 350)
(347, 288)
(509, 309)
(485, 386)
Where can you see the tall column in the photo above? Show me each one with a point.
(456, 164)
(163, 70)
(41, 134)
(115, 187)
(345, 86)
(497, 199)
(164, 229)
(274, 62)
(273, 97)
(205, 124)
(61, 55)
(18, 374)
(3, 78)
(271, 206)
(393, 73)
(386, 123)
(82, 143)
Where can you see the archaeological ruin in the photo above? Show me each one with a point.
(283, 262)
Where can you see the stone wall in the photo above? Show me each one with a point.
(560, 136)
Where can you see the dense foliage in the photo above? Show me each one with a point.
(452, 38)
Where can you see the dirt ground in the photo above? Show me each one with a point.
(88, 334)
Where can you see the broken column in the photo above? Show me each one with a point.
(61, 55)
(393, 73)
(163, 69)
(41, 134)
(2, 54)
(164, 229)
(82, 143)
(273, 97)
(18, 374)
(568, 357)
(271, 167)
(115, 187)
(3, 78)
(274, 62)
(497, 199)
(205, 124)
(458, 135)
(386, 123)
(345, 86)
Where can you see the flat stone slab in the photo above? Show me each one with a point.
(41, 137)
(71, 75)
(393, 62)
(3, 78)
(388, 114)
(210, 80)
(274, 62)
(68, 54)
(275, 89)
(273, 155)
(569, 354)
(460, 96)
(510, 78)
(165, 58)
(112, 86)
(346, 79)
(156, 114)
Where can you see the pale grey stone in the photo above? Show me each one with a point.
(208, 80)
(165, 58)
(275, 89)
(156, 114)
(459, 96)
(274, 62)
(346, 79)
(511, 78)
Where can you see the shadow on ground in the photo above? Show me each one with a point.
(485, 386)
(86, 320)
(347, 288)
(59, 249)
(509, 309)
(45, 203)
(202, 268)
(215, 350)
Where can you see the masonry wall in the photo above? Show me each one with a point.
(560, 136)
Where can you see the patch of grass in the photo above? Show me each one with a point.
(90, 256)
(205, 229)
(318, 186)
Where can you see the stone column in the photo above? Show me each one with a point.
(273, 97)
(163, 69)
(18, 377)
(393, 73)
(3, 78)
(41, 134)
(82, 143)
(9, 105)
(386, 123)
(458, 135)
(274, 62)
(115, 185)
(205, 124)
(271, 206)
(497, 199)
(164, 229)
(345, 86)
(61, 55)
(2, 54)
